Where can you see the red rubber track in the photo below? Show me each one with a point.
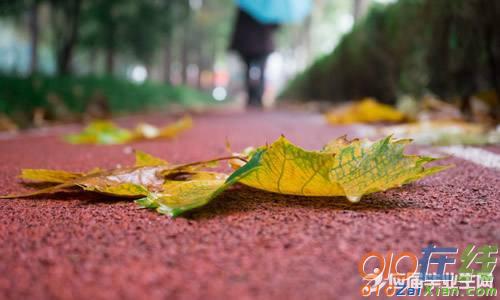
(246, 245)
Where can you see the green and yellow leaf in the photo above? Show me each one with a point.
(108, 133)
(181, 196)
(100, 132)
(342, 168)
(169, 189)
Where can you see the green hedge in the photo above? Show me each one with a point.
(448, 47)
(19, 97)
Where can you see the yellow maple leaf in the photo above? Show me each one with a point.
(342, 168)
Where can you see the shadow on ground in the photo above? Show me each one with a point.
(243, 199)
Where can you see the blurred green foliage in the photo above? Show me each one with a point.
(67, 97)
(447, 47)
(135, 28)
(106, 36)
(103, 41)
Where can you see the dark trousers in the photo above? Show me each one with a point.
(255, 78)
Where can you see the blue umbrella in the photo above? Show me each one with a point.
(276, 11)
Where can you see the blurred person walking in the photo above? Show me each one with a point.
(253, 41)
(253, 37)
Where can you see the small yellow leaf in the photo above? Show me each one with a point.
(367, 110)
(108, 133)
(100, 132)
(174, 129)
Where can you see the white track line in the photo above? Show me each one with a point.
(476, 155)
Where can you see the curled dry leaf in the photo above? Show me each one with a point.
(342, 168)
(173, 188)
(108, 133)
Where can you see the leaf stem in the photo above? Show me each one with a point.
(210, 161)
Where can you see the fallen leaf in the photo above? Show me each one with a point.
(51, 176)
(183, 196)
(108, 133)
(170, 189)
(444, 133)
(368, 110)
(342, 168)
(6, 124)
(174, 129)
(432, 108)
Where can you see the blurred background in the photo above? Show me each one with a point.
(68, 60)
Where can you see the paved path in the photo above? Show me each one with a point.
(246, 245)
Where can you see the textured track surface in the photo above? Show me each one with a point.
(246, 245)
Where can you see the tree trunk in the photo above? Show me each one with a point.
(110, 61)
(213, 61)
(34, 30)
(149, 70)
(65, 53)
(167, 61)
(185, 49)
(92, 61)
(200, 61)
(184, 61)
